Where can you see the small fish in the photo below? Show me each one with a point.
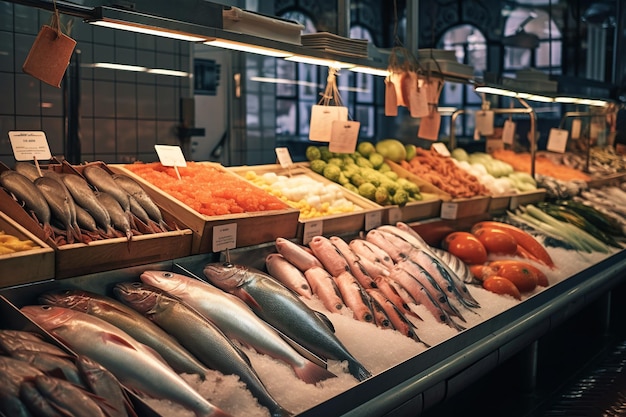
(61, 205)
(119, 218)
(49, 363)
(332, 260)
(381, 240)
(131, 362)
(391, 293)
(354, 297)
(10, 342)
(28, 194)
(35, 401)
(66, 396)
(103, 384)
(282, 309)
(370, 251)
(358, 268)
(298, 255)
(136, 191)
(104, 183)
(398, 320)
(325, 288)
(85, 197)
(199, 335)
(288, 274)
(14, 371)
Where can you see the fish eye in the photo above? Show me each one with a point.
(46, 307)
(136, 284)
(227, 265)
(168, 274)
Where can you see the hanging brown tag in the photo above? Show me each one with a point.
(391, 100)
(429, 126)
(49, 56)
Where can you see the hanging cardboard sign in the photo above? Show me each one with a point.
(575, 130)
(322, 118)
(508, 132)
(484, 122)
(344, 136)
(429, 126)
(391, 100)
(49, 56)
(418, 100)
(557, 140)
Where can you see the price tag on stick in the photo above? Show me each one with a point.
(171, 156)
(284, 159)
(29, 145)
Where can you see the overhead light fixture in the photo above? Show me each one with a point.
(496, 91)
(121, 67)
(172, 73)
(244, 47)
(319, 61)
(147, 24)
(370, 70)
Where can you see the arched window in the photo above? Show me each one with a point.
(470, 48)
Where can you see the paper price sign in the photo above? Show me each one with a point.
(576, 127)
(484, 122)
(312, 229)
(557, 140)
(28, 146)
(322, 117)
(344, 136)
(284, 158)
(440, 148)
(224, 237)
(508, 132)
(395, 215)
(170, 156)
(373, 219)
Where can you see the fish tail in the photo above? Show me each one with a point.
(358, 370)
(312, 373)
(69, 234)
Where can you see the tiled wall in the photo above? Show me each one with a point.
(123, 114)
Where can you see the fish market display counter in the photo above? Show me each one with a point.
(416, 384)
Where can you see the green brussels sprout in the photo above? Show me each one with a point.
(326, 154)
(351, 187)
(335, 161)
(343, 180)
(364, 162)
(384, 167)
(332, 172)
(381, 196)
(401, 197)
(366, 148)
(318, 166)
(313, 153)
(411, 188)
(392, 175)
(357, 179)
(367, 190)
(376, 159)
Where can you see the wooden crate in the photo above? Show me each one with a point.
(106, 254)
(332, 224)
(464, 207)
(252, 228)
(26, 266)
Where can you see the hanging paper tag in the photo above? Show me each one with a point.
(557, 140)
(224, 237)
(49, 56)
(284, 158)
(391, 100)
(440, 148)
(322, 118)
(418, 101)
(429, 126)
(508, 132)
(596, 130)
(575, 130)
(29, 145)
(492, 145)
(484, 122)
(396, 80)
(170, 156)
(344, 136)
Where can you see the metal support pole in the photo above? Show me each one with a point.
(411, 41)
(343, 18)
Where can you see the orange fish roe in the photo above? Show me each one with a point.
(207, 189)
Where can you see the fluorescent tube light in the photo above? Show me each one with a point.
(496, 91)
(318, 61)
(148, 30)
(244, 47)
(370, 70)
(120, 67)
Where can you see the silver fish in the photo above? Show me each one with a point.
(61, 205)
(130, 321)
(103, 181)
(104, 384)
(133, 188)
(199, 335)
(236, 320)
(27, 169)
(67, 396)
(118, 217)
(130, 361)
(85, 197)
(27, 193)
(277, 305)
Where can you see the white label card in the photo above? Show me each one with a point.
(449, 210)
(170, 156)
(312, 229)
(29, 145)
(322, 118)
(484, 122)
(224, 237)
(344, 136)
(508, 132)
(284, 158)
(395, 215)
(373, 219)
(575, 130)
(440, 148)
(557, 140)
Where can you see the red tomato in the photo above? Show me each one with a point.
(500, 285)
(466, 247)
(496, 241)
(521, 274)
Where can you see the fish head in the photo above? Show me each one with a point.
(225, 275)
(138, 295)
(47, 316)
(167, 281)
(74, 299)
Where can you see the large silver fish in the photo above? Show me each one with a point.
(61, 205)
(85, 197)
(103, 181)
(130, 361)
(28, 194)
(236, 320)
(133, 188)
(199, 335)
(130, 321)
(278, 306)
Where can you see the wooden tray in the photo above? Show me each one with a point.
(252, 228)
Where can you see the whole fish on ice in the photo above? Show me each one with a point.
(277, 305)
